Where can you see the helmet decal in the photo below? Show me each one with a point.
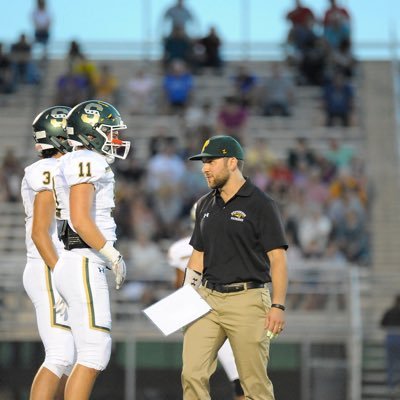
(58, 118)
(92, 113)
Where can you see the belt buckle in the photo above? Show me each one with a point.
(238, 287)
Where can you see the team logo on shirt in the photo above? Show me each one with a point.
(238, 215)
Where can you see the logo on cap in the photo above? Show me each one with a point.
(206, 143)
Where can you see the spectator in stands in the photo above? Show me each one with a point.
(300, 153)
(74, 53)
(260, 154)
(277, 93)
(199, 121)
(177, 47)
(106, 85)
(81, 65)
(314, 63)
(343, 60)
(390, 321)
(144, 221)
(313, 232)
(281, 179)
(88, 70)
(11, 173)
(211, 44)
(165, 173)
(353, 239)
(345, 183)
(146, 259)
(244, 85)
(336, 24)
(193, 182)
(140, 92)
(339, 153)
(301, 18)
(7, 77)
(21, 57)
(315, 190)
(232, 118)
(71, 88)
(123, 209)
(179, 16)
(42, 22)
(178, 87)
(305, 51)
(338, 98)
(334, 13)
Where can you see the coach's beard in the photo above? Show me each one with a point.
(216, 183)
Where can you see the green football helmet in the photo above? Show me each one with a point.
(49, 129)
(95, 125)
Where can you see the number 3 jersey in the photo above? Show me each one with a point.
(38, 177)
(85, 166)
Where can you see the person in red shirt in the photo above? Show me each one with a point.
(335, 12)
(300, 15)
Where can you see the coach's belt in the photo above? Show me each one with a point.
(232, 287)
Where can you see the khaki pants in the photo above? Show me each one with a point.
(241, 318)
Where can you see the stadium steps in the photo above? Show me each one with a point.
(374, 373)
(307, 120)
(383, 162)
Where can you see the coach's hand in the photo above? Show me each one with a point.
(119, 269)
(117, 263)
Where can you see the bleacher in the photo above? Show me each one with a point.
(346, 291)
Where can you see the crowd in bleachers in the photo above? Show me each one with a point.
(324, 194)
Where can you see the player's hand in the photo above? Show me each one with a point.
(117, 263)
(60, 306)
(119, 269)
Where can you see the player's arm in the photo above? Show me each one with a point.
(81, 201)
(194, 269)
(43, 218)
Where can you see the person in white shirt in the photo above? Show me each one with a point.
(84, 191)
(43, 249)
(42, 22)
(178, 257)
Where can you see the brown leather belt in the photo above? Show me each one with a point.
(232, 287)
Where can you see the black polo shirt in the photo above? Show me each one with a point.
(236, 236)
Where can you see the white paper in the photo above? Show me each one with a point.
(177, 309)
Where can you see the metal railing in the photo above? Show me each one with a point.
(329, 314)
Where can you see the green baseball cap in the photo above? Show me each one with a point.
(220, 146)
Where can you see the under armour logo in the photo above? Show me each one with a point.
(101, 269)
(206, 215)
(194, 282)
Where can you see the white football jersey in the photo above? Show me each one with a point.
(179, 253)
(38, 177)
(85, 166)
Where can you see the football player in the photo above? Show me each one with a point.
(178, 257)
(43, 248)
(84, 192)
